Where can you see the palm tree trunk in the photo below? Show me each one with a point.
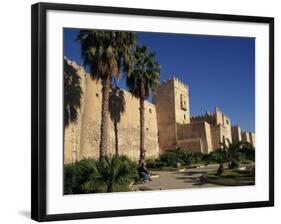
(142, 133)
(104, 141)
(116, 137)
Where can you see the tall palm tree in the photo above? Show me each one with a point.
(142, 81)
(106, 54)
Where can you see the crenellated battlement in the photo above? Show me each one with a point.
(197, 117)
(179, 83)
(203, 116)
(174, 81)
(167, 122)
(208, 117)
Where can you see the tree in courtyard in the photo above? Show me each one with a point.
(233, 154)
(107, 54)
(248, 150)
(142, 81)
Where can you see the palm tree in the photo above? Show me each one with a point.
(248, 150)
(106, 53)
(232, 151)
(116, 108)
(141, 82)
(115, 172)
(72, 93)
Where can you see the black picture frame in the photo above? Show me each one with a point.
(38, 108)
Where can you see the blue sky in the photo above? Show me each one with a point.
(219, 70)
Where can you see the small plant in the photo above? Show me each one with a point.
(170, 158)
(154, 164)
(219, 156)
(75, 175)
(207, 158)
(73, 178)
(233, 164)
(248, 151)
(180, 156)
(114, 173)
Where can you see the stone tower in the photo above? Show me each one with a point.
(172, 105)
(236, 134)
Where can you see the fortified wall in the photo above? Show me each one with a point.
(168, 123)
(177, 128)
(82, 139)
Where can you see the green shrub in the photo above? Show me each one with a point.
(248, 151)
(219, 156)
(207, 159)
(72, 180)
(180, 157)
(112, 174)
(170, 158)
(154, 164)
(90, 176)
(233, 164)
(196, 157)
(75, 176)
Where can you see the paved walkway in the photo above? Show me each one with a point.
(190, 178)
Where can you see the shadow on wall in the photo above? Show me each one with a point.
(72, 94)
(116, 107)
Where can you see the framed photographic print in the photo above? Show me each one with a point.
(139, 111)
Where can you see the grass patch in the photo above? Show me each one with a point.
(232, 177)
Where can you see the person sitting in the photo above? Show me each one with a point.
(143, 173)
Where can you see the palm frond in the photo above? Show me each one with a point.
(146, 73)
(107, 52)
